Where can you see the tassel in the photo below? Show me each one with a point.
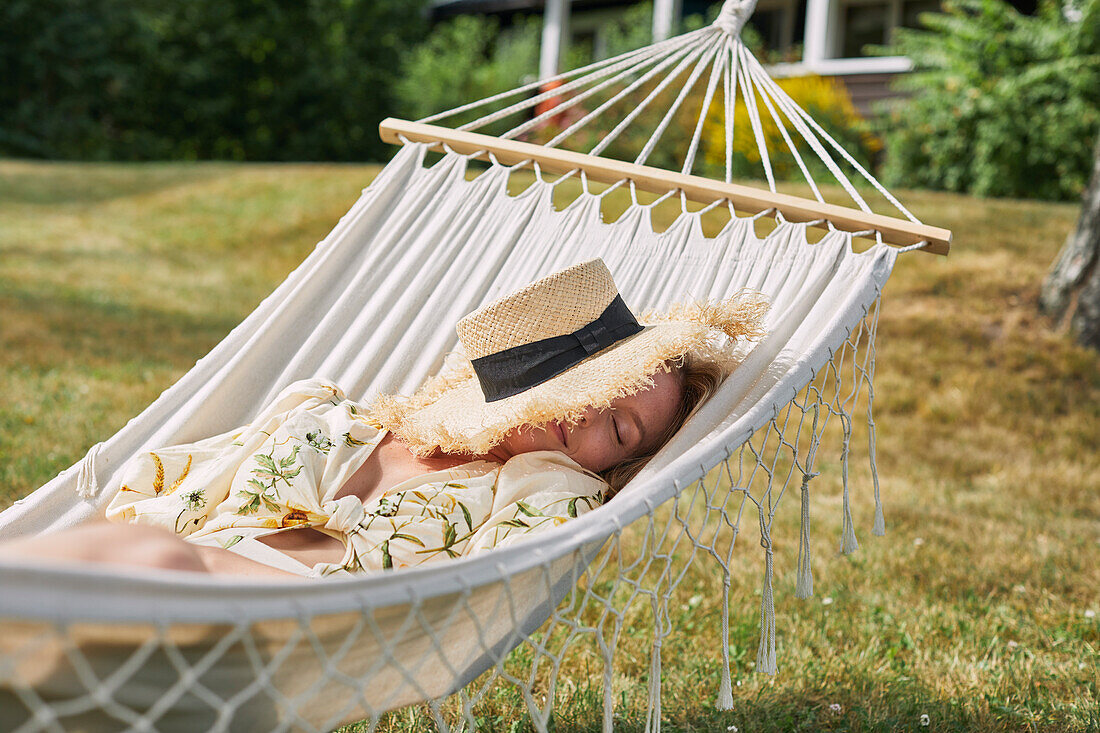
(725, 691)
(87, 486)
(608, 691)
(879, 528)
(880, 521)
(848, 542)
(655, 688)
(765, 655)
(804, 583)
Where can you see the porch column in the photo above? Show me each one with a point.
(815, 48)
(555, 29)
(665, 15)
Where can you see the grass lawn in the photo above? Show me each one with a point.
(977, 609)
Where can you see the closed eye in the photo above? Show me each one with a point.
(618, 437)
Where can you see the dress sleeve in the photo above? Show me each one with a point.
(180, 487)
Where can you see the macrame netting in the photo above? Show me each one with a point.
(96, 648)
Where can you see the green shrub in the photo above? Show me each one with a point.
(466, 59)
(1002, 104)
(825, 99)
(237, 79)
(472, 57)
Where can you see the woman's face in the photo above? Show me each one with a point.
(602, 439)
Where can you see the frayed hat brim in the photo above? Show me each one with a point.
(449, 411)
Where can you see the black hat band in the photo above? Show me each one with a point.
(509, 372)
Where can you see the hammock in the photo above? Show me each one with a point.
(100, 648)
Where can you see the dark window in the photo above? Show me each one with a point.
(769, 24)
(863, 25)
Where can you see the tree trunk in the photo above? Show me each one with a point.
(1072, 289)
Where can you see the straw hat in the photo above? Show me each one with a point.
(550, 351)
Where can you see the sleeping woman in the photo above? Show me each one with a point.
(560, 398)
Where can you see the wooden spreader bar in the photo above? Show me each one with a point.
(896, 231)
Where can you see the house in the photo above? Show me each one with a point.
(823, 37)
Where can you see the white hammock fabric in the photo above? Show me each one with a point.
(372, 308)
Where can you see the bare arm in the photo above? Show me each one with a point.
(134, 545)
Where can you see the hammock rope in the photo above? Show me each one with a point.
(423, 246)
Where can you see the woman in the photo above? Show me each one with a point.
(560, 398)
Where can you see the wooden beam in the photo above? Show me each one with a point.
(896, 231)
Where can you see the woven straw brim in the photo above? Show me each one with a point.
(450, 413)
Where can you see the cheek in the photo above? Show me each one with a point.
(595, 453)
(524, 440)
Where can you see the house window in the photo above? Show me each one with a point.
(770, 25)
(872, 22)
(864, 24)
(774, 21)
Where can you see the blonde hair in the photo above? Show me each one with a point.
(699, 379)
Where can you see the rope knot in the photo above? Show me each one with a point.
(87, 483)
(734, 15)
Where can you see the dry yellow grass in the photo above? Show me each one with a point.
(114, 279)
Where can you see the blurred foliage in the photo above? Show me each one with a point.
(244, 80)
(1002, 104)
(826, 100)
(472, 57)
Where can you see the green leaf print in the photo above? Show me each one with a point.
(466, 515)
(386, 508)
(288, 461)
(450, 538)
(252, 505)
(407, 538)
(318, 441)
(266, 475)
(515, 523)
(192, 501)
(354, 564)
(528, 509)
(353, 442)
(573, 507)
(232, 541)
(267, 463)
(387, 561)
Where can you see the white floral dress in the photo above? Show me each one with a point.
(283, 470)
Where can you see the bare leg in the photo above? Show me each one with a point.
(133, 545)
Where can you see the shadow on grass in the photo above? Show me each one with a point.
(849, 703)
(45, 329)
(55, 184)
(852, 702)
